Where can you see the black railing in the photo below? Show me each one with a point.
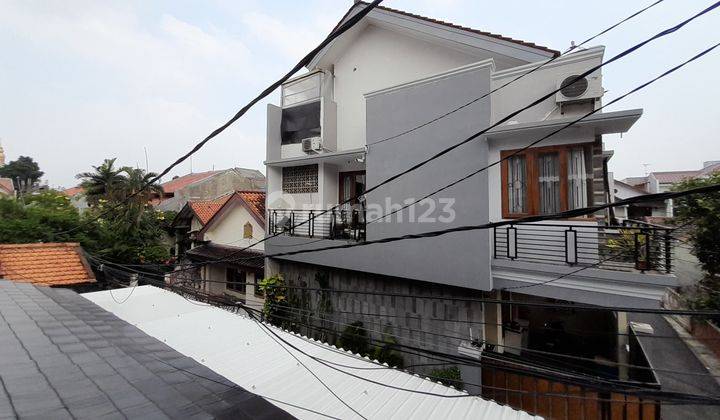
(623, 248)
(335, 224)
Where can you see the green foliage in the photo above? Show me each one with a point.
(354, 338)
(24, 173)
(702, 213)
(118, 226)
(275, 309)
(450, 376)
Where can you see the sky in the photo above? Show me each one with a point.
(81, 81)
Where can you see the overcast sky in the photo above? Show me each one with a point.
(81, 81)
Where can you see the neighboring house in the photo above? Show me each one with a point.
(77, 198)
(237, 348)
(337, 131)
(46, 264)
(7, 188)
(207, 185)
(659, 182)
(64, 357)
(208, 230)
(635, 212)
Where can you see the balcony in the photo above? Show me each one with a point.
(346, 224)
(619, 248)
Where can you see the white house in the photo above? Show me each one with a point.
(209, 230)
(360, 115)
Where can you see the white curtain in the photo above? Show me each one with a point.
(549, 178)
(517, 189)
(577, 179)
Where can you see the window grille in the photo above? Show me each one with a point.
(300, 179)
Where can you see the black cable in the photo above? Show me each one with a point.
(534, 69)
(339, 30)
(506, 302)
(269, 330)
(619, 98)
(628, 51)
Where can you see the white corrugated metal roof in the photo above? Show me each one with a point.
(237, 348)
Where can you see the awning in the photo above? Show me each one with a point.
(596, 124)
(235, 255)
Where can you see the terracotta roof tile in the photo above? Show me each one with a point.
(464, 28)
(71, 192)
(47, 264)
(255, 200)
(206, 209)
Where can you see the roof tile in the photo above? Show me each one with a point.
(47, 264)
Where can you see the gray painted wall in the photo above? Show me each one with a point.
(458, 259)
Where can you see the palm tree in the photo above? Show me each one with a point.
(106, 182)
(138, 190)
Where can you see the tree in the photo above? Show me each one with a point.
(702, 213)
(135, 196)
(105, 183)
(24, 172)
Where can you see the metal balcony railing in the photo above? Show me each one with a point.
(335, 224)
(622, 248)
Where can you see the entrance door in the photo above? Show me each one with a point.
(352, 184)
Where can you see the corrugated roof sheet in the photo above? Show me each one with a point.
(237, 348)
(47, 264)
(185, 180)
(63, 357)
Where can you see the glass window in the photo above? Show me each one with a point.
(300, 122)
(549, 183)
(577, 179)
(302, 90)
(236, 279)
(517, 186)
(300, 179)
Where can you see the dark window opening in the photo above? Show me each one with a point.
(236, 280)
(300, 122)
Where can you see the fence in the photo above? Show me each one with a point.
(335, 224)
(620, 248)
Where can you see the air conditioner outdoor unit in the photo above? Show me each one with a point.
(312, 144)
(588, 87)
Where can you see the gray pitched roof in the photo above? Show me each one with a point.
(62, 356)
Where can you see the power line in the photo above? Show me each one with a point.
(500, 301)
(269, 330)
(534, 69)
(447, 150)
(499, 122)
(638, 88)
(349, 23)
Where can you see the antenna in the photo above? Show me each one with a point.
(147, 164)
(646, 166)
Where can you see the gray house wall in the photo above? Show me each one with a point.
(459, 259)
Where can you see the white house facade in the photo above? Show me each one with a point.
(360, 115)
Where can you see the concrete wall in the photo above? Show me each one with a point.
(460, 259)
(444, 322)
(230, 228)
(379, 58)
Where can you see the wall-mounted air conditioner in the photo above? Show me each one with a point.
(588, 87)
(312, 144)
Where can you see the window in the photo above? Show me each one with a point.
(545, 180)
(301, 90)
(235, 280)
(300, 179)
(247, 231)
(258, 278)
(301, 109)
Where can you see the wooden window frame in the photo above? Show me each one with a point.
(532, 175)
